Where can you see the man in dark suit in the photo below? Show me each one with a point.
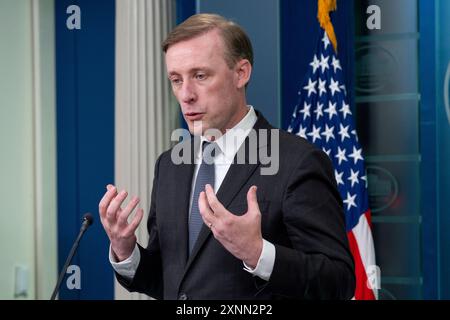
(228, 226)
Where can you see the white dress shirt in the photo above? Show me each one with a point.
(228, 145)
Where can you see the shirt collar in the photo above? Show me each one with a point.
(233, 138)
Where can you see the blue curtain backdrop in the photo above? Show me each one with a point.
(85, 129)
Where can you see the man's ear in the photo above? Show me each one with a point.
(244, 71)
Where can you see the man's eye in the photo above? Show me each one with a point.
(200, 76)
(175, 81)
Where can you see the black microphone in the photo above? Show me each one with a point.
(87, 221)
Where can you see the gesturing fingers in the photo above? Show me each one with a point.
(134, 223)
(214, 203)
(252, 200)
(114, 206)
(123, 215)
(205, 210)
(106, 200)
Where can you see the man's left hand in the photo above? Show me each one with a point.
(240, 235)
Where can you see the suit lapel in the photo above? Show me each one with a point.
(183, 175)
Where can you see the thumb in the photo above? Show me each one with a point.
(252, 200)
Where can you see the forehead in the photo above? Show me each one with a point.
(204, 50)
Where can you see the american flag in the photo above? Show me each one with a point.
(323, 117)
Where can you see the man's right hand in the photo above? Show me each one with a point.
(115, 221)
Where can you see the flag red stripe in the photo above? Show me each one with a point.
(362, 292)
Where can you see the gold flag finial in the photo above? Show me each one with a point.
(324, 8)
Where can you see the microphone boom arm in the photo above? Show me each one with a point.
(87, 221)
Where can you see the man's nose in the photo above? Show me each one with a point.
(188, 94)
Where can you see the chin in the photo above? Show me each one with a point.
(195, 129)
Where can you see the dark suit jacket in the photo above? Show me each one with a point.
(302, 216)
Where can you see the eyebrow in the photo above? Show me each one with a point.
(172, 73)
(193, 70)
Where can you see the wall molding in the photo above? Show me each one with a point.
(44, 147)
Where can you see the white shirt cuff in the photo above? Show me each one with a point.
(264, 267)
(128, 267)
